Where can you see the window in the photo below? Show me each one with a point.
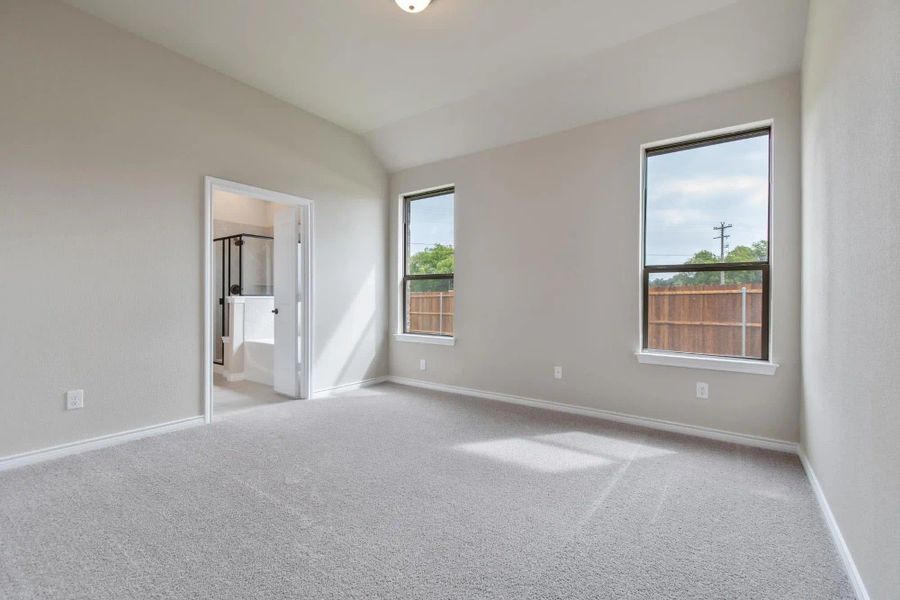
(428, 263)
(706, 246)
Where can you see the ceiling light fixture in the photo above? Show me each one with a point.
(413, 6)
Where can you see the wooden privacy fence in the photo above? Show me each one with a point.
(707, 319)
(431, 312)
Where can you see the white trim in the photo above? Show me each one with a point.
(440, 340)
(671, 426)
(831, 523)
(712, 363)
(691, 137)
(207, 299)
(306, 205)
(103, 441)
(232, 377)
(354, 385)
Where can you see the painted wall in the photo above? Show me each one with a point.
(234, 208)
(851, 284)
(106, 139)
(551, 226)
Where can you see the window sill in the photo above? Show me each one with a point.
(440, 340)
(713, 363)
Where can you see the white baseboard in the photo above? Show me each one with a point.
(103, 441)
(36, 456)
(671, 426)
(830, 522)
(351, 386)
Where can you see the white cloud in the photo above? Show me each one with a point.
(710, 186)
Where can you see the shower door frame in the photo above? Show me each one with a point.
(305, 258)
(226, 272)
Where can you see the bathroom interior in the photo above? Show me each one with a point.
(244, 296)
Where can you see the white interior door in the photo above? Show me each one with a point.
(286, 364)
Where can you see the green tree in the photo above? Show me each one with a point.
(437, 259)
(761, 250)
(741, 254)
(746, 254)
(703, 257)
(756, 252)
(432, 260)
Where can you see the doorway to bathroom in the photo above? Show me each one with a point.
(258, 284)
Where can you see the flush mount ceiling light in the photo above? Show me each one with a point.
(413, 6)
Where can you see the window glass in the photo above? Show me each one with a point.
(429, 306)
(706, 246)
(696, 193)
(694, 312)
(429, 264)
(430, 242)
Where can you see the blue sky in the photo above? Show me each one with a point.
(431, 222)
(691, 191)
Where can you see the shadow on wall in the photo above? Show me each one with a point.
(371, 370)
(357, 322)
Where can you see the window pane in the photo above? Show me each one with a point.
(694, 192)
(710, 312)
(429, 306)
(430, 248)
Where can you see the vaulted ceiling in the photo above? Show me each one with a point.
(466, 75)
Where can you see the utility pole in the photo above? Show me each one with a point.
(721, 227)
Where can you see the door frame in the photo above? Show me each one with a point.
(305, 258)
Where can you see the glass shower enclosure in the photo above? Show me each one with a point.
(243, 267)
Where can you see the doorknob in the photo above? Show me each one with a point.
(275, 310)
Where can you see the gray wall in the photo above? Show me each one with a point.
(551, 226)
(851, 282)
(105, 142)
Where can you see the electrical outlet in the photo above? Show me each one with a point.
(702, 390)
(557, 372)
(422, 364)
(74, 399)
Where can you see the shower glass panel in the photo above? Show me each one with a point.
(256, 265)
(243, 267)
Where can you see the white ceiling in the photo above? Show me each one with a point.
(466, 75)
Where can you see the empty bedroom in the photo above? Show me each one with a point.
(461, 299)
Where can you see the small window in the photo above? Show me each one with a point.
(706, 246)
(428, 263)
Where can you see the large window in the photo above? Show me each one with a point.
(706, 246)
(428, 263)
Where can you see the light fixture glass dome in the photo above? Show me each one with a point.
(413, 6)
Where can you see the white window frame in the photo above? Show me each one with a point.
(701, 361)
(399, 334)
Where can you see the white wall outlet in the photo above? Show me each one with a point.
(557, 372)
(422, 365)
(702, 390)
(74, 399)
